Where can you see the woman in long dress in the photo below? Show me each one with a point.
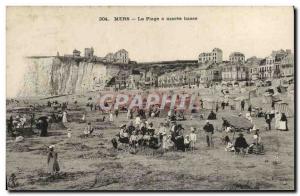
(283, 123)
(64, 118)
(111, 117)
(277, 120)
(53, 166)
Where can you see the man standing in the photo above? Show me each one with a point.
(209, 130)
(268, 120)
(223, 105)
(250, 109)
(242, 105)
(43, 127)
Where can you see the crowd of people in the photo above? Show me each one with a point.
(140, 132)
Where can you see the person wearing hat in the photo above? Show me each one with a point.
(241, 144)
(123, 136)
(142, 128)
(178, 138)
(88, 129)
(130, 128)
(43, 126)
(268, 120)
(53, 165)
(151, 129)
(209, 130)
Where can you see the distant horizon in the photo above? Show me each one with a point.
(131, 59)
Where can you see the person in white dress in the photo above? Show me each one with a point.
(128, 114)
(277, 120)
(137, 121)
(248, 116)
(69, 133)
(111, 117)
(64, 118)
(193, 138)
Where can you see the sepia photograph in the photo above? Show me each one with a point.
(150, 98)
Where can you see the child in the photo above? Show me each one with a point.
(169, 143)
(140, 138)
(193, 138)
(88, 130)
(133, 139)
(162, 131)
(146, 139)
(229, 145)
(187, 142)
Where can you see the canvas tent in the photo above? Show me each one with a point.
(238, 123)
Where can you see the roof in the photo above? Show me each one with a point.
(236, 54)
(262, 62)
(109, 54)
(122, 50)
(217, 49)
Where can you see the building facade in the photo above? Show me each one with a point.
(76, 53)
(109, 58)
(237, 57)
(253, 65)
(216, 56)
(235, 72)
(287, 66)
(121, 57)
(268, 68)
(89, 52)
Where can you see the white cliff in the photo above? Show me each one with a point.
(57, 75)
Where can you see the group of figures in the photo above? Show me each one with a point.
(166, 137)
(140, 134)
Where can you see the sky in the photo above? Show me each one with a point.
(34, 31)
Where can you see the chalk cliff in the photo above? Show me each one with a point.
(58, 75)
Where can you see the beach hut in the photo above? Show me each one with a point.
(210, 103)
(284, 107)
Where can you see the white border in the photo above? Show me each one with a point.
(5, 3)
